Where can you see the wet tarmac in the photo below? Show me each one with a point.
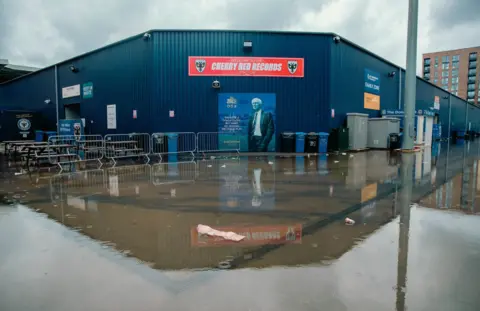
(124, 238)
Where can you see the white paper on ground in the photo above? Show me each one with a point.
(203, 229)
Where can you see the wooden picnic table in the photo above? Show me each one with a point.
(18, 147)
(44, 151)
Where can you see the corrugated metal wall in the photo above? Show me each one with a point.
(302, 103)
(121, 75)
(347, 82)
(30, 93)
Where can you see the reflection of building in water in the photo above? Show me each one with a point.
(458, 193)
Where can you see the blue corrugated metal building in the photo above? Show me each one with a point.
(149, 74)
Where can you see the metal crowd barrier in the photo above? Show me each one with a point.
(64, 150)
(62, 185)
(127, 146)
(174, 144)
(216, 142)
(172, 173)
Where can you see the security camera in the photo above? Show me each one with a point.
(336, 39)
(392, 74)
(146, 36)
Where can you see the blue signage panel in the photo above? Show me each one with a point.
(87, 90)
(248, 118)
(393, 113)
(372, 82)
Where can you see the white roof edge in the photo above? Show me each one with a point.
(22, 68)
(3, 62)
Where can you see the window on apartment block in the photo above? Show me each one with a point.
(455, 93)
(445, 87)
(455, 80)
(445, 66)
(454, 87)
(455, 64)
(455, 58)
(471, 94)
(471, 87)
(454, 72)
(436, 61)
(427, 61)
(472, 72)
(435, 81)
(445, 59)
(445, 81)
(472, 56)
(445, 73)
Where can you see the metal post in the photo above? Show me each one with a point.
(399, 88)
(411, 75)
(466, 117)
(56, 97)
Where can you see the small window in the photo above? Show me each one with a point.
(471, 94)
(471, 87)
(445, 87)
(444, 73)
(426, 76)
(445, 81)
(455, 93)
(471, 79)
(455, 58)
(454, 72)
(472, 72)
(436, 74)
(455, 80)
(427, 61)
(472, 56)
(435, 81)
(445, 66)
(455, 64)
(472, 64)
(454, 87)
(445, 59)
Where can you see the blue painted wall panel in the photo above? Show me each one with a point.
(302, 103)
(121, 75)
(348, 82)
(30, 93)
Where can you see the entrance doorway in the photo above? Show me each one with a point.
(72, 111)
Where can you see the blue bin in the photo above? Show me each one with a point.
(323, 142)
(300, 142)
(172, 147)
(50, 134)
(38, 136)
(300, 165)
(461, 134)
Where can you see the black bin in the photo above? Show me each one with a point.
(311, 143)
(394, 141)
(160, 143)
(287, 142)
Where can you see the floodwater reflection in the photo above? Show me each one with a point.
(112, 226)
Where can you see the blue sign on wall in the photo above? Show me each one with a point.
(372, 82)
(393, 113)
(248, 117)
(87, 90)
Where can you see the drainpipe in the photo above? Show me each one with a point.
(399, 88)
(449, 116)
(56, 95)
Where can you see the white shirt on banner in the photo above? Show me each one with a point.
(258, 118)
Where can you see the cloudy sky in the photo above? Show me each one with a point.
(43, 32)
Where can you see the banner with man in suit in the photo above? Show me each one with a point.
(247, 119)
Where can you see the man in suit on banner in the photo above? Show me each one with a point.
(260, 128)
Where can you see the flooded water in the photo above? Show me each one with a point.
(125, 238)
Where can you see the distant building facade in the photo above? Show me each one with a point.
(456, 71)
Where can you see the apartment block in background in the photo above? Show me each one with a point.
(456, 71)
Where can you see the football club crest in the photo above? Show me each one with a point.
(24, 124)
(200, 64)
(292, 66)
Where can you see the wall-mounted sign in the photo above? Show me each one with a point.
(171, 113)
(71, 91)
(425, 112)
(371, 101)
(393, 113)
(333, 113)
(372, 82)
(436, 103)
(246, 66)
(134, 114)
(87, 90)
(111, 117)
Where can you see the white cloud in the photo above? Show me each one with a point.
(42, 32)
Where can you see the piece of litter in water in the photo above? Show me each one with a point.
(270, 162)
(223, 166)
(209, 166)
(232, 236)
(351, 156)
(336, 161)
(343, 153)
(349, 221)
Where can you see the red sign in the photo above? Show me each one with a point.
(257, 235)
(245, 66)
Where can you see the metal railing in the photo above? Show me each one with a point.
(62, 185)
(132, 145)
(65, 150)
(217, 142)
(174, 144)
